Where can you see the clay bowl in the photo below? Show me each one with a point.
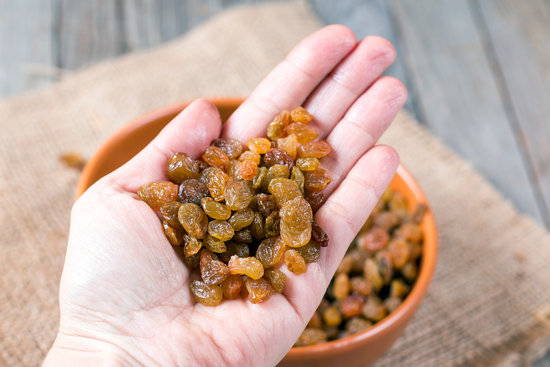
(357, 350)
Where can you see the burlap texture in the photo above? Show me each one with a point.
(487, 301)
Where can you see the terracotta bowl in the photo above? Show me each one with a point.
(357, 350)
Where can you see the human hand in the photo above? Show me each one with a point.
(124, 295)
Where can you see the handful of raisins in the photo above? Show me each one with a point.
(374, 277)
(240, 211)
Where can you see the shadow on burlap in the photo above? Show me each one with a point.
(489, 300)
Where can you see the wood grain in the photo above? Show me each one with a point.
(459, 94)
(518, 33)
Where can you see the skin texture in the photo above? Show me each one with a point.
(124, 294)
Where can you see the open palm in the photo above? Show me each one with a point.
(124, 292)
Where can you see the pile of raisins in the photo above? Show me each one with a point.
(375, 275)
(238, 213)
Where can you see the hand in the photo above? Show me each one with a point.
(124, 295)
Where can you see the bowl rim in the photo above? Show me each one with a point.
(338, 346)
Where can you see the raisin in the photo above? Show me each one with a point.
(246, 170)
(332, 316)
(237, 195)
(231, 147)
(259, 145)
(315, 320)
(351, 305)
(214, 244)
(311, 336)
(249, 266)
(386, 220)
(169, 213)
(192, 261)
(234, 248)
(295, 262)
(409, 271)
(345, 265)
(314, 149)
(361, 286)
(250, 156)
(232, 286)
(156, 194)
(316, 180)
(259, 290)
(215, 157)
(260, 177)
(207, 294)
(391, 303)
(244, 236)
(373, 240)
(270, 252)
(272, 224)
(307, 164)
(193, 220)
(300, 114)
(266, 204)
(275, 171)
(182, 167)
(276, 129)
(319, 235)
(357, 324)
(215, 180)
(277, 279)
(399, 251)
(298, 177)
(397, 202)
(214, 209)
(192, 191)
(315, 200)
(341, 286)
(192, 245)
(385, 265)
(296, 219)
(212, 270)
(410, 232)
(278, 156)
(310, 252)
(303, 132)
(257, 226)
(221, 230)
(174, 235)
(398, 288)
(373, 309)
(241, 219)
(359, 258)
(372, 275)
(289, 145)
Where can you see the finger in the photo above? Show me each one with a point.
(191, 131)
(289, 84)
(362, 126)
(345, 211)
(332, 98)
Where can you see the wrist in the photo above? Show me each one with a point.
(83, 352)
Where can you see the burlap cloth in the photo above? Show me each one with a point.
(490, 299)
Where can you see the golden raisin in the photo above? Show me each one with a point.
(214, 244)
(310, 252)
(399, 251)
(300, 114)
(351, 305)
(259, 290)
(289, 144)
(207, 294)
(212, 270)
(270, 252)
(259, 145)
(215, 180)
(295, 262)
(311, 336)
(341, 286)
(232, 286)
(214, 209)
(332, 316)
(192, 245)
(174, 235)
(304, 133)
(316, 180)
(193, 220)
(169, 213)
(357, 324)
(182, 167)
(250, 156)
(373, 240)
(283, 190)
(231, 147)
(238, 195)
(296, 219)
(278, 156)
(314, 149)
(307, 164)
(249, 266)
(215, 157)
(277, 279)
(156, 194)
(298, 177)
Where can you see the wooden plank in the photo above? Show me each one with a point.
(26, 58)
(89, 31)
(459, 94)
(369, 17)
(518, 33)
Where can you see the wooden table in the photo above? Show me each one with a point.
(478, 71)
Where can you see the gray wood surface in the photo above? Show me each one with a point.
(477, 71)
